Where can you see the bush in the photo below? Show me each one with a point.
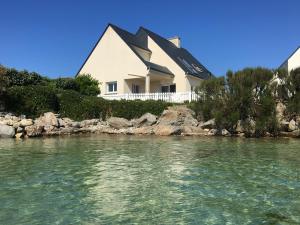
(79, 107)
(67, 84)
(87, 85)
(241, 95)
(133, 109)
(31, 100)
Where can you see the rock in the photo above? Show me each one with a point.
(7, 131)
(75, 124)
(191, 130)
(292, 125)
(280, 109)
(212, 132)
(177, 116)
(118, 123)
(34, 130)
(146, 130)
(225, 132)
(49, 128)
(210, 124)
(87, 123)
(66, 122)
(61, 122)
(147, 119)
(19, 135)
(48, 118)
(293, 134)
(26, 122)
(239, 127)
(20, 129)
(167, 130)
(68, 130)
(284, 125)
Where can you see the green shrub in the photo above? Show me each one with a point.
(87, 85)
(80, 107)
(241, 95)
(133, 109)
(31, 100)
(66, 84)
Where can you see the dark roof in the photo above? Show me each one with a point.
(130, 38)
(289, 57)
(181, 56)
(158, 68)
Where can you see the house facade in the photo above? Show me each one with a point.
(292, 62)
(144, 62)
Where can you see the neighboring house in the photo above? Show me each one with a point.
(293, 61)
(142, 63)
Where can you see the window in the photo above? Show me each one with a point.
(168, 88)
(112, 87)
(135, 88)
(165, 89)
(173, 88)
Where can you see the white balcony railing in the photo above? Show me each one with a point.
(177, 97)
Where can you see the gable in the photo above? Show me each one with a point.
(110, 42)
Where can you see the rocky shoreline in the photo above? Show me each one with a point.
(176, 120)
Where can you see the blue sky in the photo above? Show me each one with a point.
(54, 37)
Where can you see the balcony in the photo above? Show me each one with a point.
(176, 97)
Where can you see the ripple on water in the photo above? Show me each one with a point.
(149, 180)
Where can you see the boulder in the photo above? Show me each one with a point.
(65, 122)
(238, 127)
(292, 125)
(48, 118)
(146, 130)
(75, 124)
(293, 134)
(210, 124)
(191, 130)
(34, 130)
(147, 119)
(167, 130)
(280, 109)
(178, 116)
(87, 123)
(225, 132)
(284, 125)
(19, 135)
(212, 132)
(26, 122)
(118, 123)
(7, 131)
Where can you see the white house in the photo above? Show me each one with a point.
(142, 64)
(293, 61)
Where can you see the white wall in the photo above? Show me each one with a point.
(294, 61)
(113, 60)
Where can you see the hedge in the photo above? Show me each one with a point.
(31, 100)
(79, 107)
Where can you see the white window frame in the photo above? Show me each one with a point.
(115, 87)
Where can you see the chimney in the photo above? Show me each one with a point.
(175, 40)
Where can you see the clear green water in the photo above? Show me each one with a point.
(149, 180)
